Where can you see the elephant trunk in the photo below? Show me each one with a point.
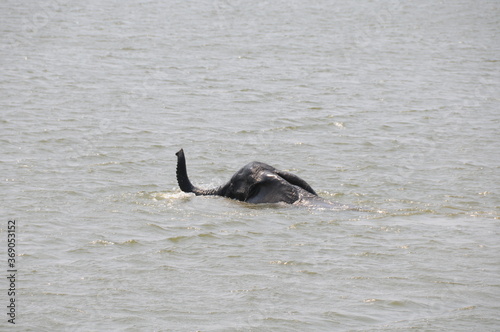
(183, 179)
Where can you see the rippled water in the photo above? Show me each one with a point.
(387, 105)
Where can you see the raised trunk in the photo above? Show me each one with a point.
(183, 179)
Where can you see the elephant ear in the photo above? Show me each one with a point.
(295, 180)
(273, 189)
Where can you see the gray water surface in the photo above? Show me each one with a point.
(391, 106)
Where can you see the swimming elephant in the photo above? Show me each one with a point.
(257, 182)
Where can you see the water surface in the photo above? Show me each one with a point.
(387, 105)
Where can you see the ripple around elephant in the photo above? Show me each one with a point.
(256, 183)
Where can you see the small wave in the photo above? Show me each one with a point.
(102, 243)
(164, 196)
(109, 243)
(171, 196)
(177, 239)
(130, 242)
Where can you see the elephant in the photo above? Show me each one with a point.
(256, 183)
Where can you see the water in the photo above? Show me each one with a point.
(387, 105)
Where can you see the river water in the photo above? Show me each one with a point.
(391, 106)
